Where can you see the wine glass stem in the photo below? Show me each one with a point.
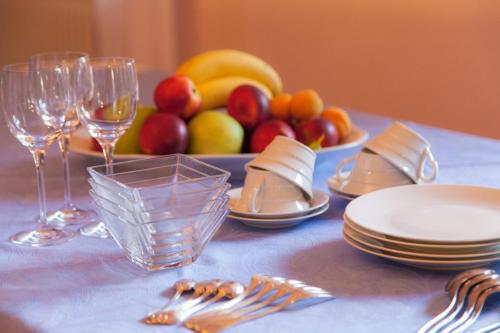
(39, 158)
(64, 145)
(108, 148)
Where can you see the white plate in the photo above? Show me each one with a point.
(430, 213)
(398, 250)
(81, 144)
(279, 222)
(449, 247)
(435, 264)
(319, 200)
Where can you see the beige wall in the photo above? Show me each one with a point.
(435, 62)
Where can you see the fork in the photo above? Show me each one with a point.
(475, 304)
(494, 328)
(458, 288)
(294, 291)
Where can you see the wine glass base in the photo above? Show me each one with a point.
(70, 215)
(42, 237)
(97, 230)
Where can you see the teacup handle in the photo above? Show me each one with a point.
(252, 200)
(427, 155)
(341, 165)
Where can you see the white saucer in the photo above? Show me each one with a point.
(319, 200)
(278, 223)
(336, 186)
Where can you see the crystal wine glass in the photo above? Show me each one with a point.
(80, 83)
(110, 112)
(36, 131)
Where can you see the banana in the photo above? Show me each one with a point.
(214, 93)
(219, 63)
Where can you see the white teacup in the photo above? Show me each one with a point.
(370, 172)
(266, 192)
(407, 150)
(291, 160)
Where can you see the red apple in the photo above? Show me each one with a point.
(265, 133)
(178, 95)
(248, 105)
(317, 133)
(163, 133)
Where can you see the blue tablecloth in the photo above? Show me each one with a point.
(87, 285)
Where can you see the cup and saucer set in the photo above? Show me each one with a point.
(278, 191)
(398, 156)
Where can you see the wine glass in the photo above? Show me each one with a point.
(36, 131)
(80, 87)
(110, 112)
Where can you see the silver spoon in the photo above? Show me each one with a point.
(256, 282)
(180, 286)
(228, 289)
(202, 290)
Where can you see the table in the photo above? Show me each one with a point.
(87, 285)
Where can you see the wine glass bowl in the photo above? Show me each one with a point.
(110, 111)
(79, 89)
(36, 130)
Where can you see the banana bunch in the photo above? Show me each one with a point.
(217, 73)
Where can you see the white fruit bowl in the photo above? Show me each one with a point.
(234, 163)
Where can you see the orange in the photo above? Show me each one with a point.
(340, 119)
(280, 106)
(306, 104)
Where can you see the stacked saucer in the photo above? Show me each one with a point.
(318, 205)
(278, 190)
(443, 227)
(397, 156)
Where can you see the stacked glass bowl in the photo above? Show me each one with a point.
(161, 211)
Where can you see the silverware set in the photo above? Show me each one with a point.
(216, 305)
(468, 292)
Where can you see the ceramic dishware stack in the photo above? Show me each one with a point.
(278, 190)
(398, 156)
(434, 226)
(161, 211)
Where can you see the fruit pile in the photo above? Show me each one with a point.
(229, 102)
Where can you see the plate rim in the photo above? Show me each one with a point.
(415, 253)
(399, 241)
(278, 215)
(81, 134)
(411, 187)
(295, 220)
(352, 243)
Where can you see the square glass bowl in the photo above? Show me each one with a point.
(162, 211)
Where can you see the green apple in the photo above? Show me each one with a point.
(119, 110)
(129, 141)
(213, 132)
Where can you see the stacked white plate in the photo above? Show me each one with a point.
(440, 227)
(319, 205)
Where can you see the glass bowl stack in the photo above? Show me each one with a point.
(161, 211)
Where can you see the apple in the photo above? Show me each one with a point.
(214, 132)
(265, 133)
(163, 133)
(317, 133)
(128, 143)
(178, 95)
(248, 105)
